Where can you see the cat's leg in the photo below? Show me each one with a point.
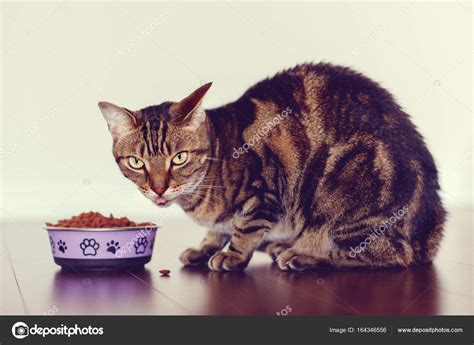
(213, 242)
(274, 248)
(310, 250)
(257, 217)
(319, 248)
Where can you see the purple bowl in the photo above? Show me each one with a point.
(102, 248)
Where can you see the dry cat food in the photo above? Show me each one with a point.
(165, 272)
(96, 220)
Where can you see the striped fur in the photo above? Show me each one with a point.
(311, 190)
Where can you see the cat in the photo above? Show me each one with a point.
(317, 166)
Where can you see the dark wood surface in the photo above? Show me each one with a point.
(33, 284)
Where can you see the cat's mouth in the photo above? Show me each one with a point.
(154, 198)
(161, 201)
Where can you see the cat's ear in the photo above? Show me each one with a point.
(120, 120)
(189, 112)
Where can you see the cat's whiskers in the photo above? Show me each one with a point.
(126, 188)
(125, 191)
(191, 198)
(196, 190)
(214, 186)
(215, 159)
(205, 180)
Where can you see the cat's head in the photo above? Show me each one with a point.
(163, 149)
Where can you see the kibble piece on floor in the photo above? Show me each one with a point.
(165, 272)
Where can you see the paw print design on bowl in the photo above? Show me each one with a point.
(62, 246)
(140, 245)
(113, 246)
(52, 244)
(89, 247)
(102, 248)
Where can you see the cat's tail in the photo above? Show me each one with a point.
(426, 244)
(428, 217)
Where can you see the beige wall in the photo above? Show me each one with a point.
(60, 59)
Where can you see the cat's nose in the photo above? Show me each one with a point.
(160, 191)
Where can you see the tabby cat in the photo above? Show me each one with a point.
(317, 166)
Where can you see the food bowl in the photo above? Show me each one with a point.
(102, 248)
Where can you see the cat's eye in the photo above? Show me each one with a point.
(135, 162)
(180, 158)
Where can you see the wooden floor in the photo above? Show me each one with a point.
(33, 284)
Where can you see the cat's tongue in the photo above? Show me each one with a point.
(161, 201)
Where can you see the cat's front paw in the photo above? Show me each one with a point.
(290, 260)
(194, 257)
(225, 261)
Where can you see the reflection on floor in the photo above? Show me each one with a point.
(33, 284)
